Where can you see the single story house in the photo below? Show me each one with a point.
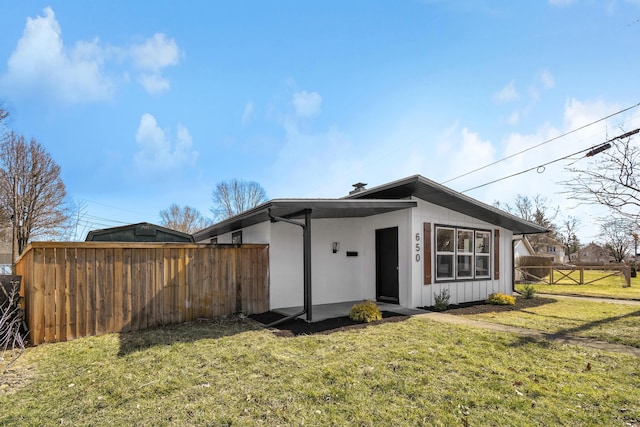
(401, 242)
(141, 232)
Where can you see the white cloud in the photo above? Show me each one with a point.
(514, 118)
(506, 94)
(306, 159)
(307, 104)
(150, 57)
(154, 83)
(157, 150)
(577, 113)
(41, 65)
(547, 80)
(247, 113)
(155, 53)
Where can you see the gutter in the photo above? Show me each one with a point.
(513, 262)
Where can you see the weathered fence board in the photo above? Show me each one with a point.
(80, 289)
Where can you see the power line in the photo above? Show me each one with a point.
(544, 165)
(541, 144)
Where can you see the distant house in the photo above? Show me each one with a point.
(522, 247)
(401, 242)
(5, 258)
(141, 232)
(592, 254)
(553, 249)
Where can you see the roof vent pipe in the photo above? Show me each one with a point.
(358, 187)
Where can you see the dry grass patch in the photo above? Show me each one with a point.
(614, 323)
(415, 372)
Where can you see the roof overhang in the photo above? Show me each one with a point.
(296, 208)
(432, 192)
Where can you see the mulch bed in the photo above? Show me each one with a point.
(298, 326)
(482, 307)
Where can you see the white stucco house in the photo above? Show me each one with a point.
(400, 243)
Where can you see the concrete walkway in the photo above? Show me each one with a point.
(530, 333)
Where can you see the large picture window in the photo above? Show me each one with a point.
(462, 253)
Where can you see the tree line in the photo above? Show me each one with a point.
(229, 198)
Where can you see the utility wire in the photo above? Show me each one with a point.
(544, 165)
(541, 144)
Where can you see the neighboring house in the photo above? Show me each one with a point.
(522, 247)
(141, 232)
(592, 254)
(552, 249)
(400, 242)
(5, 258)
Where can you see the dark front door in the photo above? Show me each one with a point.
(387, 265)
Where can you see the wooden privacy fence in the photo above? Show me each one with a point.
(74, 290)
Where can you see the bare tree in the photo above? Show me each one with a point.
(617, 236)
(3, 114)
(235, 196)
(31, 190)
(76, 226)
(535, 210)
(610, 178)
(567, 234)
(185, 219)
(11, 320)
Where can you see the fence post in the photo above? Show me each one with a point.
(626, 270)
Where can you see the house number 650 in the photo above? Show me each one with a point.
(418, 248)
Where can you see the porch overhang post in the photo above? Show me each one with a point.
(308, 304)
(306, 264)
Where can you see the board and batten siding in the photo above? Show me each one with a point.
(426, 217)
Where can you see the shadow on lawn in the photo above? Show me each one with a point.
(570, 335)
(523, 304)
(593, 324)
(297, 327)
(131, 342)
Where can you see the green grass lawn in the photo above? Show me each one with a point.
(615, 323)
(415, 372)
(610, 287)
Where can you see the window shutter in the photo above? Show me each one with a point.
(496, 254)
(426, 244)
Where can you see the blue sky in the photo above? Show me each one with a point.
(144, 105)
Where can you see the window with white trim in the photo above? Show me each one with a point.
(462, 253)
(445, 253)
(483, 254)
